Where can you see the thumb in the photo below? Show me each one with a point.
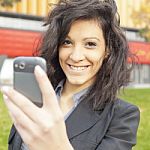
(48, 93)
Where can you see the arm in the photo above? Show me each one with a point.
(122, 131)
(40, 128)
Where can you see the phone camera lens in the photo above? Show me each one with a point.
(22, 65)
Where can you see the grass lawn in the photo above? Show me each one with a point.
(5, 124)
(139, 97)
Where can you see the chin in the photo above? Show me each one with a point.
(83, 81)
(76, 81)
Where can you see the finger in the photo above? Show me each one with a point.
(24, 125)
(24, 135)
(28, 136)
(48, 93)
(18, 117)
(5, 99)
(22, 103)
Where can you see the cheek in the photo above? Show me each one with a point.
(96, 59)
(62, 55)
(61, 58)
(98, 65)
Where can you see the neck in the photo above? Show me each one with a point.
(71, 89)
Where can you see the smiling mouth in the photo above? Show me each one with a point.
(78, 68)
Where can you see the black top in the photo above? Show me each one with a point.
(113, 128)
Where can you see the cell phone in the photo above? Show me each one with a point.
(24, 79)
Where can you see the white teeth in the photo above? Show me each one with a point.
(78, 68)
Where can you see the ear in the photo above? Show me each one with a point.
(106, 53)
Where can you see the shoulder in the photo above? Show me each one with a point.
(120, 109)
(124, 107)
(125, 116)
(117, 126)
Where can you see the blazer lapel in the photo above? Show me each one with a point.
(81, 119)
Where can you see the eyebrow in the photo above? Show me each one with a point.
(88, 38)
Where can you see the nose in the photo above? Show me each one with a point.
(77, 54)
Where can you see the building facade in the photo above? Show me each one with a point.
(21, 27)
(41, 8)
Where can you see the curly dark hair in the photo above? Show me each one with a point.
(114, 72)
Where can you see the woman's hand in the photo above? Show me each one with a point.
(40, 128)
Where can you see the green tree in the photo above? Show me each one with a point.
(142, 18)
(8, 3)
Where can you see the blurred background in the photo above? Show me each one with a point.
(21, 26)
(20, 31)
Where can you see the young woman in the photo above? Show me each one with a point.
(86, 53)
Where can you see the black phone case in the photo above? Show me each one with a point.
(24, 79)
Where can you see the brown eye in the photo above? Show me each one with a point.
(91, 44)
(66, 42)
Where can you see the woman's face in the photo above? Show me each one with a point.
(82, 52)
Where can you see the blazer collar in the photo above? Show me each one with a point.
(81, 119)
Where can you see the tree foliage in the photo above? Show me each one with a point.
(8, 3)
(142, 18)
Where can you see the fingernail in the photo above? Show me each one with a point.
(5, 97)
(39, 70)
(5, 89)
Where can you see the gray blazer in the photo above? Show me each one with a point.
(112, 128)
